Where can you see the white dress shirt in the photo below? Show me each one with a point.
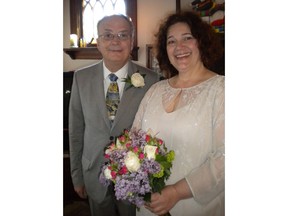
(121, 74)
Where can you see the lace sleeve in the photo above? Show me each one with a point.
(207, 181)
(137, 124)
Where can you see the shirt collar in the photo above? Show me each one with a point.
(121, 73)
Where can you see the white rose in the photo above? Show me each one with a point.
(132, 162)
(107, 173)
(137, 80)
(108, 151)
(119, 145)
(150, 151)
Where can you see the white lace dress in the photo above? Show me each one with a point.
(195, 131)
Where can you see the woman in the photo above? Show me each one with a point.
(186, 110)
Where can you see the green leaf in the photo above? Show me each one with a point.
(158, 184)
(160, 158)
(166, 165)
(147, 197)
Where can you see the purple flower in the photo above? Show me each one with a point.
(133, 184)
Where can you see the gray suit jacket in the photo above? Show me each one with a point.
(89, 127)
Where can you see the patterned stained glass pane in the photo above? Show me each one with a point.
(94, 10)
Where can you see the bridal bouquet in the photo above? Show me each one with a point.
(138, 164)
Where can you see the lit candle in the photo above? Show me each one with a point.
(73, 40)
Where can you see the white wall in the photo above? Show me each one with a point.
(149, 14)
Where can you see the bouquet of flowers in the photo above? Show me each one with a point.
(139, 164)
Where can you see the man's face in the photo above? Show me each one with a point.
(115, 41)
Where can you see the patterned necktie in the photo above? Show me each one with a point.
(112, 97)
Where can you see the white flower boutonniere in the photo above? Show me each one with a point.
(136, 80)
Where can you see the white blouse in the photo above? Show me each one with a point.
(194, 129)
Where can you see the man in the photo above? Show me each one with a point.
(93, 124)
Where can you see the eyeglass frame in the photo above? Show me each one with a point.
(107, 36)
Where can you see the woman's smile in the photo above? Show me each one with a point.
(183, 55)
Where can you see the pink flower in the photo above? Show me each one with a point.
(147, 139)
(135, 149)
(121, 138)
(113, 174)
(141, 156)
(123, 170)
(128, 145)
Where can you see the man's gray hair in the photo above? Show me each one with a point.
(128, 19)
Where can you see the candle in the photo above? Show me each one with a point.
(73, 40)
(82, 42)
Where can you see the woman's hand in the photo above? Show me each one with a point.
(170, 195)
(162, 203)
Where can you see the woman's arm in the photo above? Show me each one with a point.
(207, 181)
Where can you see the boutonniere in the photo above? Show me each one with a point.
(136, 80)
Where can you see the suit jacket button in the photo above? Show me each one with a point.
(111, 138)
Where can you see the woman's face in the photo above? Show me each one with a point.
(182, 47)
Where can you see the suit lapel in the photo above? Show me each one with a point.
(100, 95)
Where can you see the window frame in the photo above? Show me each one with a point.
(76, 28)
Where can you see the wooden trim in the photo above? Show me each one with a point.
(149, 48)
(93, 53)
(131, 10)
(178, 6)
(76, 17)
(83, 53)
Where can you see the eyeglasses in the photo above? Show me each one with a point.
(110, 37)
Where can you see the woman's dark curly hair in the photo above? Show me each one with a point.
(209, 43)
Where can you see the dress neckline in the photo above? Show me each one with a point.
(188, 88)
